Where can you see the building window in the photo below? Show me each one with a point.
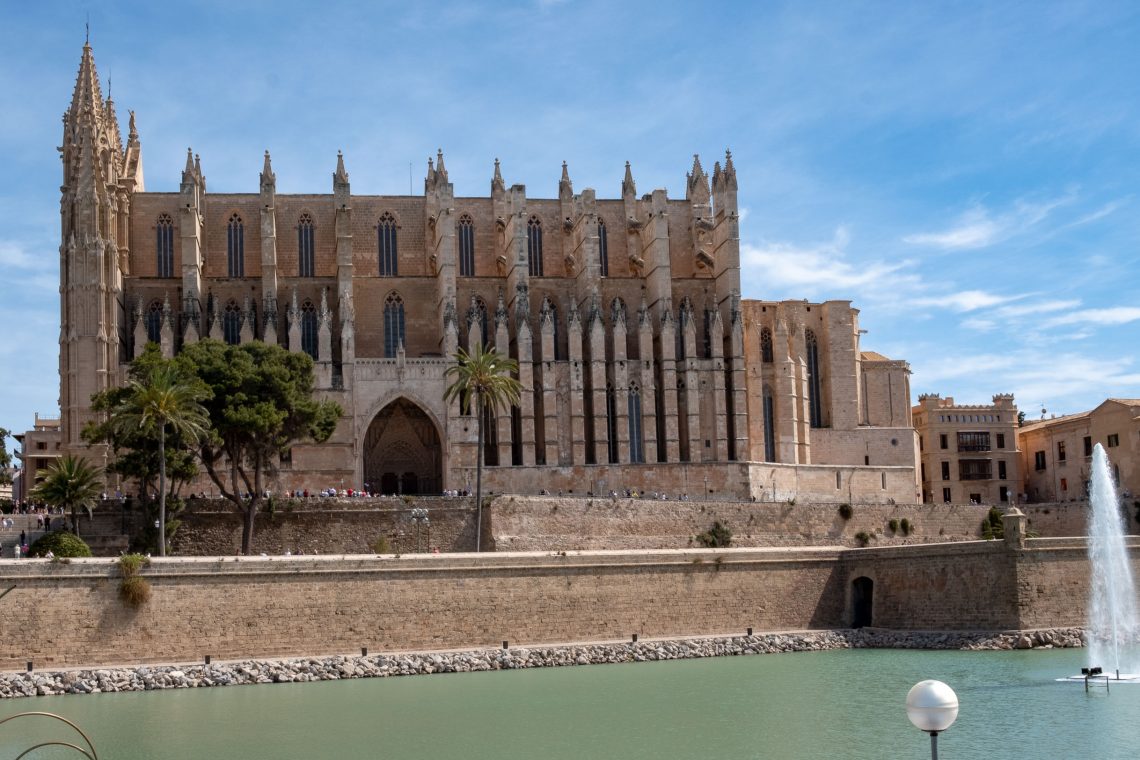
(923, 472)
(165, 246)
(1001, 470)
(611, 424)
(1039, 460)
(235, 247)
(554, 321)
(305, 256)
(393, 324)
(1060, 451)
(973, 441)
(946, 495)
(466, 247)
(815, 402)
(231, 323)
(945, 470)
(765, 345)
(309, 329)
(1113, 440)
(975, 469)
(636, 441)
(943, 441)
(534, 246)
(1064, 484)
(769, 425)
(154, 321)
(1088, 445)
(386, 241)
(603, 249)
(1000, 440)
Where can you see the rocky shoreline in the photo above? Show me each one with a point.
(299, 670)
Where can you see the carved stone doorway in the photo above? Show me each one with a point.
(402, 451)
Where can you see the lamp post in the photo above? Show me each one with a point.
(420, 518)
(932, 706)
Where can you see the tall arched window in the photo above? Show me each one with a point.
(235, 247)
(769, 426)
(534, 246)
(766, 345)
(306, 258)
(603, 249)
(815, 402)
(490, 438)
(386, 231)
(393, 324)
(231, 323)
(466, 247)
(165, 246)
(636, 440)
(309, 329)
(154, 321)
(611, 423)
(557, 330)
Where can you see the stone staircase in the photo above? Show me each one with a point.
(102, 543)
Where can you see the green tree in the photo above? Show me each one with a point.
(5, 457)
(163, 402)
(486, 377)
(260, 403)
(73, 484)
(136, 448)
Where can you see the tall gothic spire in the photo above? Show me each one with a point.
(341, 175)
(628, 188)
(87, 97)
(497, 180)
(565, 188)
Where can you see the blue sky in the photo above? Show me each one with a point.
(966, 173)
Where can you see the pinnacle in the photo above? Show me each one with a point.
(697, 169)
(189, 161)
(87, 94)
(341, 175)
(627, 185)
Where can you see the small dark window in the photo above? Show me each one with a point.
(942, 441)
(1060, 451)
(1001, 470)
(466, 247)
(1113, 440)
(1039, 460)
(603, 249)
(946, 495)
(305, 255)
(386, 233)
(235, 247)
(393, 324)
(154, 322)
(231, 323)
(534, 246)
(165, 246)
(765, 345)
(945, 470)
(1000, 438)
(309, 329)
(1088, 445)
(1064, 484)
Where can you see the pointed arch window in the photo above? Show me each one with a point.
(765, 345)
(534, 246)
(636, 439)
(490, 438)
(386, 232)
(154, 321)
(306, 257)
(466, 247)
(309, 329)
(164, 250)
(769, 425)
(393, 324)
(611, 423)
(603, 249)
(235, 247)
(815, 401)
(231, 323)
(557, 329)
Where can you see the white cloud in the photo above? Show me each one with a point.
(14, 255)
(1041, 307)
(966, 300)
(979, 228)
(1116, 315)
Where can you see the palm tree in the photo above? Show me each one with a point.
(73, 484)
(486, 375)
(164, 401)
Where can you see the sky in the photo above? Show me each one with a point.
(965, 173)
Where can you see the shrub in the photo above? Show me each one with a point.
(992, 527)
(135, 590)
(61, 544)
(131, 564)
(906, 526)
(719, 535)
(381, 546)
(862, 538)
(845, 511)
(408, 499)
(893, 524)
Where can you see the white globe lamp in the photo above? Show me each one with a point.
(932, 706)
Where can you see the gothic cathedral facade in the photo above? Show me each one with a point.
(641, 366)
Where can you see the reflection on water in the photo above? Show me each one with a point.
(845, 704)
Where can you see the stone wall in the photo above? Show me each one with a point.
(63, 614)
(529, 523)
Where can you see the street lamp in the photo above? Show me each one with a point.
(421, 521)
(932, 706)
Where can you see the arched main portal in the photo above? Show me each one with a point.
(402, 451)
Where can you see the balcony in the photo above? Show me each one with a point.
(975, 469)
(974, 442)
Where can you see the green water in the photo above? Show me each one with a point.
(844, 704)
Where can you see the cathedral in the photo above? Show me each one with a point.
(641, 366)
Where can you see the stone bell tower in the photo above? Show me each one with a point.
(99, 178)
